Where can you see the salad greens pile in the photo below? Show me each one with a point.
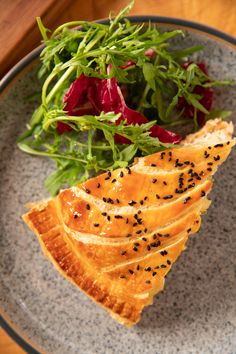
(109, 93)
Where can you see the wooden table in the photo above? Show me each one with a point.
(19, 35)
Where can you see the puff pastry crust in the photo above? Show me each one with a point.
(117, 235)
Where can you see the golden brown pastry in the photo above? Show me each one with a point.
(117, 235)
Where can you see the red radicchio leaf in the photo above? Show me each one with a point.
(129, 63)
(63, 127)
(206, 100)
(106, 96)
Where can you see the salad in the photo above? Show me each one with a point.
(113, 92)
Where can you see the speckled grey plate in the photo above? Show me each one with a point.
(196, 311)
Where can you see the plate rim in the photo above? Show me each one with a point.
(34, 54)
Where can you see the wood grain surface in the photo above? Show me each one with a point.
(19, 35)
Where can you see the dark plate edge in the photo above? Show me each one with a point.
(16, 337)
(26, 60)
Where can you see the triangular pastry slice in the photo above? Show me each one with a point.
(117, 235)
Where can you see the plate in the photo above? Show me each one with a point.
(45, 313)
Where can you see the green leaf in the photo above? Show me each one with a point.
(218, 113)
(149, 75)
(128, 153)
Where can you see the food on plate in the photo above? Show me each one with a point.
(117, 235)
(113, 92)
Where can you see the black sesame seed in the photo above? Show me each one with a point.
(75, 216)
(129, 235)
(135, 249)
(118, 216)
(157, 196)
(136, 244)
(228, 142)
(209, 169)
(138, 267)
(154, 180)
(178, 164)
(108, 218)
(145, 198)
(186, 162)
(96, 224)
(122, 276)
(148, 248)
(144, 239)
(109, 173)
(168, 196)
(123, 253)
(206, 155)
(98, 185)
(88, 207)
(135, 224)
(145, 230)
(87, 191)
(170, 153)
(164, 253)
(156, 267)
(201, 173)
(209, 147)
(203, 193)
(166, 235)
(218, 145)
(129, 170)
(165, 183)
(155, 244)
(190, 179)
(148, 282)
(138, 232)
(136, 216)
(121, 174)
(127, 220)
(132, 202)
(130, 271)
(139, 211)
(162, 155)
(153, 165)
(107, 178)
(190, 171)
(189, 230)
(163, 266)
(117, 200)
(113, 181)
(186, 200)
(168, 262)
(217, 158)
(191, 185)
(154, 236)
(148, 269)
(154, 273)
(104, 199)
(178, 191)
(141, 202)
(192, 164)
